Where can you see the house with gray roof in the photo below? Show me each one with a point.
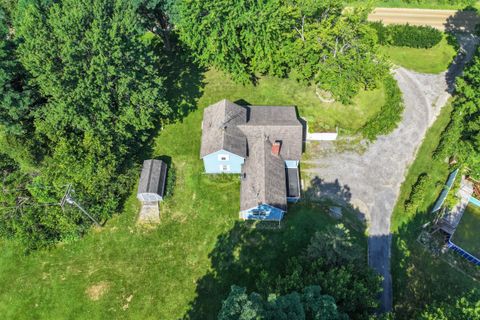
(261, 143)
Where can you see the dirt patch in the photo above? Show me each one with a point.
(96, 291)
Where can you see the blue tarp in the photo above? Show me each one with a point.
(446, 189)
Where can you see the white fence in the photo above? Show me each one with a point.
(322, 136)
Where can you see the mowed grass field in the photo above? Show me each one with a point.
(418, 276)
(184, 266)
(467, 234)
(433, 60)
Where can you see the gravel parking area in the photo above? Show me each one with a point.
(370, 181)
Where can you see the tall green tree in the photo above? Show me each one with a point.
(335, 48)
(16, 97)
(335, 244)
(103, 92)
(239, 37)
(462, 136)
(310, 304)
(155, 16)
(466, 307)
(317, 41)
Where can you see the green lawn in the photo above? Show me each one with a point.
(467, 234)
(437, 170)
(433, 60)
(275, 91)
(418, 276)
(186, 264)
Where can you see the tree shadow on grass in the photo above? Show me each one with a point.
(461, 29)
(184, 83)
(184, 80)
(246, 254)
(421, 276)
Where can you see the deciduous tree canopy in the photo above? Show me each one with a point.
(462, 136)
(102, 92)
(318, 41)
(310, 304)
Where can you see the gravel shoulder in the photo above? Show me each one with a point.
(371, 181)
(440, 19)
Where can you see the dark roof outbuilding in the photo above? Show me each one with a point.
(151, 186)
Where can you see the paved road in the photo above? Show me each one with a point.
(440, 19)
(371, 181)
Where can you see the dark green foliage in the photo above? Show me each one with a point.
(155, 17)
(310, 304)
(35, 224)
(390, 114)
(461, 138)
(417, 194)
(405, 35)
(466, 307)
(15, 95)
(331, 261)
(335, 245)
(170, 183)
(238, 37)
(313, 41)
(102, 94)
(335, 49)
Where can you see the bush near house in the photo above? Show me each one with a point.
(405, 35)
(390, 114)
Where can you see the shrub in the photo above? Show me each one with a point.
(390, 113)
(405, 35)
(415, 36)
(383, 34)
(417, 194)
(170, 183)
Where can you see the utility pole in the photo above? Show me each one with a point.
(67, 198)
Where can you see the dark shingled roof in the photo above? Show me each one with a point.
(230, 127)
(278, 124)
(263, 176)
(152, 178)
(220, 129)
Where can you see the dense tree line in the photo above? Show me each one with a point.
(81, 92)
(466, 307)
(461, 138)
(310, 304)
(330, 263)
(316, 42)
(405, 35)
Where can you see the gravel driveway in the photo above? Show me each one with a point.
(371, 181)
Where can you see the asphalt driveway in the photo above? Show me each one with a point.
(370, 181)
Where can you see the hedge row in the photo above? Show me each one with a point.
(417, 194)
(390, 113)
(405, 35)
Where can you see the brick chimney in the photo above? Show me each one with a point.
(276, 147)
